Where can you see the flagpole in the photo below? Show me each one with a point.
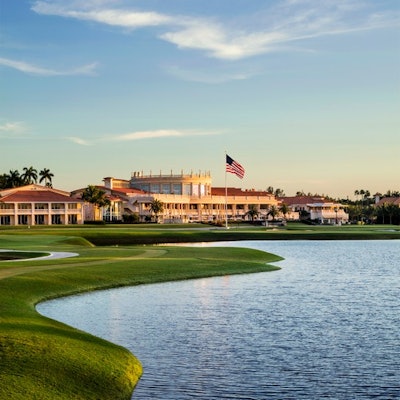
(226, 198)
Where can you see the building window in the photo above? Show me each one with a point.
(5, 206)
(72, 219)
(24, 206)
(72, 206)
(177, 188)
(187, 189)
(57, 206)
(39, 219)
(23, 219)
(5, 220)
(166, 188)
(155, 188)
(56, 219)
(41, 206)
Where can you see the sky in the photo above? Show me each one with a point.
(304, 94)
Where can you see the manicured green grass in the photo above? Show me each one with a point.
(47, 360)
(154, 234)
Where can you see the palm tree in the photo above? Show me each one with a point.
(46, 176)
(13, 179)
(284, 209)
(156, 207)
(29, 176)
(252, 212)
(391, 210)
(3, 181)
(95, 196)
(270, 189)
(279, 193)
(273, 212)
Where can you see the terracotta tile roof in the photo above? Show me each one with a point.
(302, 200)
(37, 196)
(389, 200)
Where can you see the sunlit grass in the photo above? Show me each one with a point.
(44, 359)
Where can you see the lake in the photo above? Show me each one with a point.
(325, 326)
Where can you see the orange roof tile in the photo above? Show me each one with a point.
(36, 196)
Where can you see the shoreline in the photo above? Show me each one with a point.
(79, 365)
(58, 361)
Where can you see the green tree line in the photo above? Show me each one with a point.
(29, 175)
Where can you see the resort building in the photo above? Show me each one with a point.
(39, 205)
(185, 198)
(317, 209)
(192, 198)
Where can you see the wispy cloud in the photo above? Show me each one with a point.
(161, 133)
(13, 127)
(78, 140)
(272, 30)
(142, 135)
(115, 17)
(28, 68)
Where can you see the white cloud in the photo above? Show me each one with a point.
(115, 17)
(161, 133)
(142, 135)
(12, 127)
(78, 140)
(281, 23)
(27, 68)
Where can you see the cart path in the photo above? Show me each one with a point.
(20, 270)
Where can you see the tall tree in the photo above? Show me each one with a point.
(156, 207)
(3, 181)
(252, 212)
(46, 176)
(93, 195)
(284, 209)
(14, 179)
(273, 212)
(29, 176)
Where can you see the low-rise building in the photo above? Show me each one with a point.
(186, 198)
(317, 209)
(39, 205)
(192, 198)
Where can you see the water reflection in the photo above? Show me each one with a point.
(325, 326)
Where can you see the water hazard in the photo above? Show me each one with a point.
(325, 326)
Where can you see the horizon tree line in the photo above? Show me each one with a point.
(29, 176)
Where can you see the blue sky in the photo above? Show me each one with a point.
(303, 93)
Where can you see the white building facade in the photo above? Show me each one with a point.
(39, 205)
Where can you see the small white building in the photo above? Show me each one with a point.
(318, 209)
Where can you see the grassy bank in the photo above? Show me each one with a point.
(154, 234)
(43, 359)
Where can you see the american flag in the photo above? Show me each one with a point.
(234, 167)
